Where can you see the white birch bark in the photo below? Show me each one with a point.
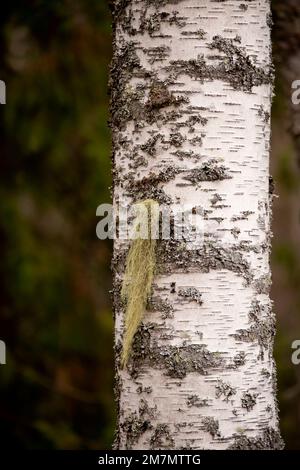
(191, 87)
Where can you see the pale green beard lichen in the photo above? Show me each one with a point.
(139, 272)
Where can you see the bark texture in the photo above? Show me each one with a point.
(191, 86)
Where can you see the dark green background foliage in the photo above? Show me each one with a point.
(56, 390)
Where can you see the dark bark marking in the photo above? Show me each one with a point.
(211, 425)
(177, 362)
(235, 67)
(162, 438)
(268, 440)
(194, 400)
(191, 293)
(262, 327)
(248, 400)
(225, 390)
(210, 171)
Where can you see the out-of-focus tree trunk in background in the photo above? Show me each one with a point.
(287, 56)
(285, 167)
(191, 88)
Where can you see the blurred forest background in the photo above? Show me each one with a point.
(56, 390)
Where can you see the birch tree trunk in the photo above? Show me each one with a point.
(191, 87)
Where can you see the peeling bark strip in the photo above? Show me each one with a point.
(191, 86)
